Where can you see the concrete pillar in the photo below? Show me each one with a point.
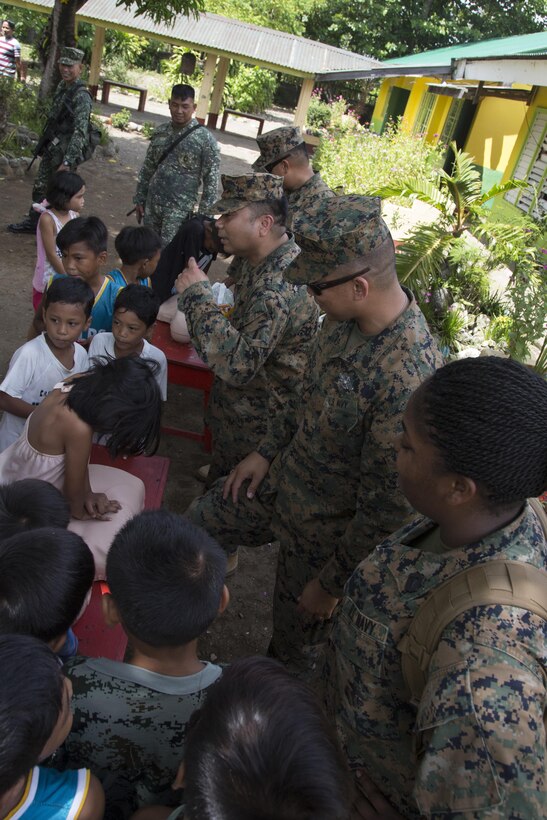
(96, 57)
(303, 102)
(206, 86)
(216, 97)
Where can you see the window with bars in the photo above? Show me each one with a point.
(424, 113)
(532, 167)
(451, 121)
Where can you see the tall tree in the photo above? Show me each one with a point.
(60, 31)
(389, 28)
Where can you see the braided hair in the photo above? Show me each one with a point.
(487, 418)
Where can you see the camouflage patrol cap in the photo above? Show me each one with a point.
(276, 144)
(335, 231)
(71, 56)
(237, 192)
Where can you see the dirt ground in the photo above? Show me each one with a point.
(245, 627)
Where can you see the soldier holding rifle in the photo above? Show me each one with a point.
(64, 142)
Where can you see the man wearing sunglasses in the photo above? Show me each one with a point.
(259, 354)
(330, 496)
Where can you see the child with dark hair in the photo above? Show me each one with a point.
(45, 576)
(64, 201)
(30, 504)
(166, 579)
(139, 248)
(135, 312)
(120, 399)
(83, 244)
(473, 449)
(260, 748)
(35, 718)
(49, 358)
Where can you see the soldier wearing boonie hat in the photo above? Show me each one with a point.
(67, 132)
(283, 151)
(330, 495)
(259, 354)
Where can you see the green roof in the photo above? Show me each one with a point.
(521, 46)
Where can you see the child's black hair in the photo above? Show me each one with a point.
(63, 186)
(181, 91)
(31, 503)
(262, 749)
(137, 242)
(141, 301)
(70, 290)
(88, 229)
(166, 576)
(32, 690)
(45, 575)
(486, 417)
(120, 398)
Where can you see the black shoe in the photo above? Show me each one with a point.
(27, 225)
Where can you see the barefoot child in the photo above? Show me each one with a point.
(135, 312)
(49, 358)
(65, 200)
(83, 243)
(139, 249)
(120, 399)
(35, 718)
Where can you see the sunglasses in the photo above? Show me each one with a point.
(271, 165)
(317, 288)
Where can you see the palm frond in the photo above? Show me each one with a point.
(417, 188)
(420, 257)
(464, 184)
(502, 232)
(502, 188)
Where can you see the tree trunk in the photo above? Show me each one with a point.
(59, 32)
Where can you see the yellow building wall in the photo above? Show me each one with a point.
(495, 132)
(540, 101)
(440, 112)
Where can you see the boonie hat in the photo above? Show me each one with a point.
(71, 56)
(276, 144)
(237, 192)
(334, 231)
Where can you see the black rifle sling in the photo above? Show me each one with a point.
(178, 140)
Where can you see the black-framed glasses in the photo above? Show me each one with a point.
(317, 288)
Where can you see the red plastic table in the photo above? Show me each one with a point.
(184, 367)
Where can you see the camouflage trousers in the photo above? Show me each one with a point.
(48, 168)
(167, 217)
(297, 641)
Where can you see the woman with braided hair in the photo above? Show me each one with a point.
(470, 741)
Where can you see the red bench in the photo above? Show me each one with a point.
(184, 367)
(96, 640)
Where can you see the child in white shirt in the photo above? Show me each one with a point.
(49, 358)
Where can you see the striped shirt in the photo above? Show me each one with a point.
(10, 51)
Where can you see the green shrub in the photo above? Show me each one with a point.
(148, 129)
(121, 119)
(319, 114)
(98, 123)
(21, 106)
(252, 89)
(360, 161)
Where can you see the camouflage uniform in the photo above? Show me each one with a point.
(475, 745)
(169, 192)
(276, 145)
(71, 131)
(331, 495)
(132, 723)
(260, 353)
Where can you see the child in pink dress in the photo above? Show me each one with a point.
(120, 399)
(64, 201)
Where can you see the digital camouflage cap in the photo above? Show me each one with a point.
(71, 56)
(237, 192)
(336, 231)
(276, 144)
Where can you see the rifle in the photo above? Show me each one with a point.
(47, 139)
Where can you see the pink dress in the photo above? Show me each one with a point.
(22, 460)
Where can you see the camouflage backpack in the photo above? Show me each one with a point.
(510, 583)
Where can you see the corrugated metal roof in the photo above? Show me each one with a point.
(522, 44)
(233, 38)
